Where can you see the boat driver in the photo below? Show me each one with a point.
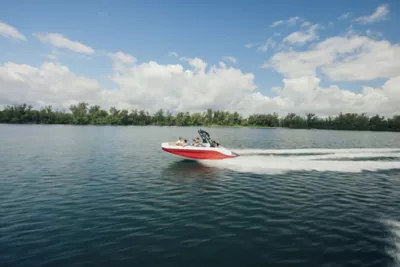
(197, 142)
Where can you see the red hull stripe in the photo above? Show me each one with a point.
(197, 154)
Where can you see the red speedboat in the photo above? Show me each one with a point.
(208, 149)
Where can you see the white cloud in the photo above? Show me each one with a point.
(350, 31)
(304, 94)
(277, 23)
(268, 44)
(306, 24)
(299, 38)
(341, 58)
(354, 58)
(171, 86)
(380, 14)
(122, 58)
(302, 37)
(264, 47)
(249, 45)
(9, 31)
(51, 83)
(290, 21)
(344, 16)
(293, 20)
(59, 40)
(374, 34)
(173, 54)
(373, 60)
(231, 59)
(147, 85)
(198, 64)
(53, 55)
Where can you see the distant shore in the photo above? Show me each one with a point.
(212, 126)
(83, 114)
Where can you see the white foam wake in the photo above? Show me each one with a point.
(394, 227)
(316, 151)
(349, 155)
(285, 160)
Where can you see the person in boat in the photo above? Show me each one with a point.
(197, 141)
(184, 143)
(214, 144)
(191, 142)
(179, 142)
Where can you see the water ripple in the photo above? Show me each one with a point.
(106, 197)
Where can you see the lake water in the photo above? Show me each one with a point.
(108, 196)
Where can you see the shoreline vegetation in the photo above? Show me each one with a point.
(83, 114)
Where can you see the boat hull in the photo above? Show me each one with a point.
(199, 153)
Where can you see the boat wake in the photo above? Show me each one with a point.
(394, 251)
(272, 161)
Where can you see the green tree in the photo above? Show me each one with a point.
(82, 114)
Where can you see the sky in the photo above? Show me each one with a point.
(323, 57)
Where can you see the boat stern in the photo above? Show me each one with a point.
(235, 154)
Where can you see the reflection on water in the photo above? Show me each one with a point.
(189, 168)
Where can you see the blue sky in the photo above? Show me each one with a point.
(210, 30)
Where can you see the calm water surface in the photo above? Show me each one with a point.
(108, 196)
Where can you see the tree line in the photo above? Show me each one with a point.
(83, 114)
